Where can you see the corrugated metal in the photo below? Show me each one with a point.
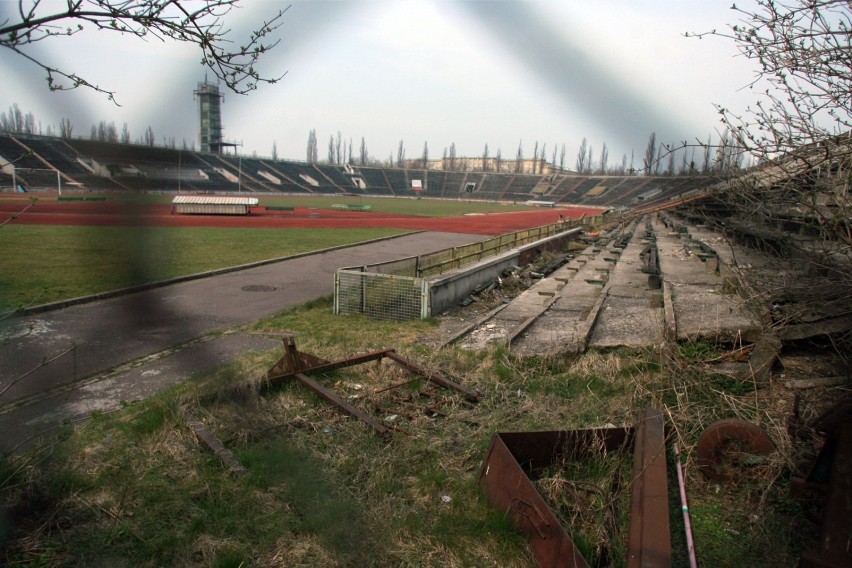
(214, 200)
(210, 209)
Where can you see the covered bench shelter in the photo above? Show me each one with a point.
(212, 205)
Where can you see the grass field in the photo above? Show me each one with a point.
(413, 206)
(47, 263)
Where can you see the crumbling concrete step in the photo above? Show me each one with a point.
(704, 304)
(526, 306)
(565, 326)
(632, 314)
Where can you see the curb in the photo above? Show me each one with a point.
(49, 307)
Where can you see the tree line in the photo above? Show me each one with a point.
(16, 121)
(660, 159)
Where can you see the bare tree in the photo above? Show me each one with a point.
(671, 163)
(485, 158)
(650, 160)
(400, 155)
(582, 152)
(602, 163)
(801, 48)
(519, 158)
(125, 134)
(14, 121)
(148, 138)
(231, 59)
(498, 160)
(799, 133)
(363, 153)
(425, 156)
(705, 167)
(535, 156)
(66, 129)
(542, 159)
(562, 158)
(338, 149)
(331, 149)
(312, 152)
(275, 150)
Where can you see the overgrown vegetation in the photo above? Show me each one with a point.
(135, 488)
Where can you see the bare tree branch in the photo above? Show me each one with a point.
(181, 21)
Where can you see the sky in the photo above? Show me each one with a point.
(437, 72)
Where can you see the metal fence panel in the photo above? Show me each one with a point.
(381, 296)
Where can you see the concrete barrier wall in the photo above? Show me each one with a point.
(447, 290)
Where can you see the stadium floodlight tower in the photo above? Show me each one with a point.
(209, 116)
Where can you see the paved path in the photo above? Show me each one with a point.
(110, 334)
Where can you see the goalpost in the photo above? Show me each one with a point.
(40, 174)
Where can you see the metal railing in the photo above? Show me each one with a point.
(399, 290)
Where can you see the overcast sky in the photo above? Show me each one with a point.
(437, 71)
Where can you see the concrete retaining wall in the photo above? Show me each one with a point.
(447, 290)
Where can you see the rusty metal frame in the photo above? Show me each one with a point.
(513, 456)
(830, 477)
(295, 364)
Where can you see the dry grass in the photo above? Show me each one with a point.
(325, 490)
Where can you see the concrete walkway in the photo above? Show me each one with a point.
(128, 347)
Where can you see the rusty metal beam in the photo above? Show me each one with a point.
(835, 542)
(432, 377)
(207, 437)
(326, 367)
(341, 404)
(508, 489)
(293, 360)
(649, 538)
(513, 457)
(504, 478)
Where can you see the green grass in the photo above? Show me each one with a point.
(46, 263)
(422, 207)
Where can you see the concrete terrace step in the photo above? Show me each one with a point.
(704, 302)
(529, 304)
(565, 326)
(632, 314)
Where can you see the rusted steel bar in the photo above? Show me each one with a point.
(324, 368)
(207, 437)
(835, 542)
(432, 377)
(649, 537)
(293, 360)
(508, 489)
(504, 478)
(341, 404)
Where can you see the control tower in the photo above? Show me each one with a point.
(209, 117)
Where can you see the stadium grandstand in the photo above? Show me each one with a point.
(35, 163)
